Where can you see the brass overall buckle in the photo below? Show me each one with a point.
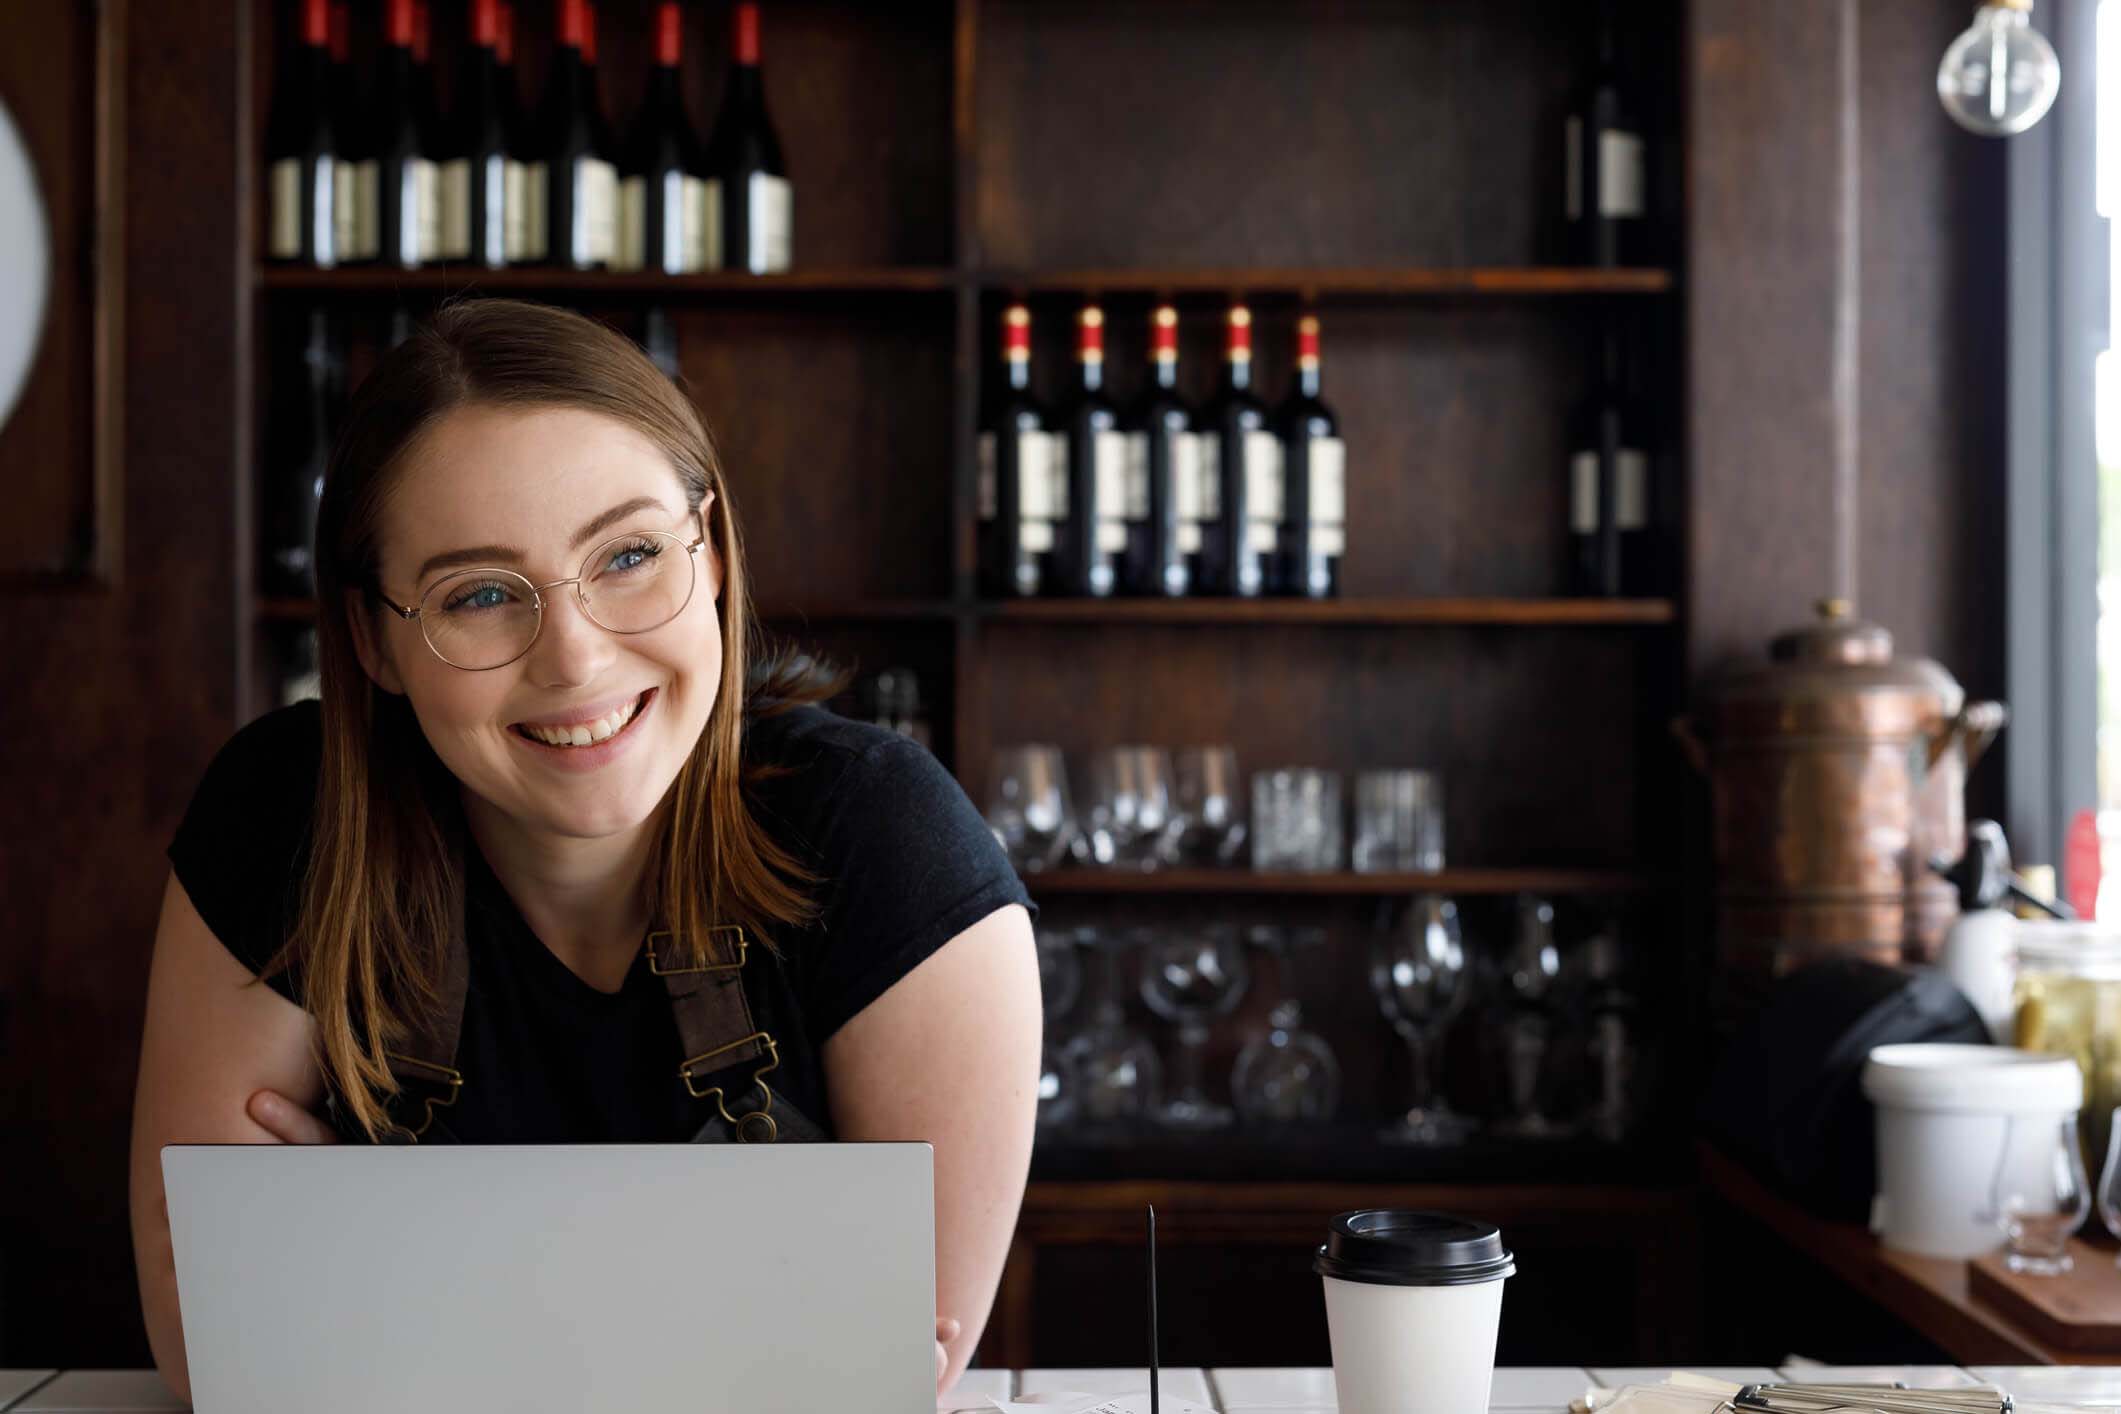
(743, 946)
(756, 1126)
(440, 1076)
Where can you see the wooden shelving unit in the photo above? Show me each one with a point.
(1235, 882)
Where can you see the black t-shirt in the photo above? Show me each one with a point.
(906, 862)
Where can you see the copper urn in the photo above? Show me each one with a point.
(1837, 773)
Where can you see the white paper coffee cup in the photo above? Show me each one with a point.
(1413, 1305)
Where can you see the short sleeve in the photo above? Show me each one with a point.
(242, 846)
(908, 864)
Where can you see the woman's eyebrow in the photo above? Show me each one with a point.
(510, 555)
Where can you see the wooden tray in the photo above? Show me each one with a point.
(2077, 1311)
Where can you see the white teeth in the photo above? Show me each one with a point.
(587, 733)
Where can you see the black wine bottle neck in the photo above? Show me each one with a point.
(1019, 374)
(1307, 381)
(1609, 362)
(1237, 375)
(1167, 371)
(1093, 374)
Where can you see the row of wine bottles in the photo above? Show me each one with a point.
(1232, 498)
(389, 179)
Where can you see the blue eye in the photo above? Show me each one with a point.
(632, 556)
(474, 597)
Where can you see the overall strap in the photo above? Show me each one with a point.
(425, 1070)
(717, 1032)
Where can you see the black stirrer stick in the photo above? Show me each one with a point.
(1154, 1406)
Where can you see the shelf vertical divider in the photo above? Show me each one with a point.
(969, 697)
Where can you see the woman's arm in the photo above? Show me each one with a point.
(950, 1055)
(211, 1040)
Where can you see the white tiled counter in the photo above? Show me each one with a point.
(1520, 1390)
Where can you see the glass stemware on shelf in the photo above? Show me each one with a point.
(1128, 821)
(1209, 806)
(1531, 968)
(1190, 977)
(1028, 807)
(1286, 1075)
(1118, 1074)
(1060, 981)
(1418, 971)
(1613, 1047)
(2039, 1195)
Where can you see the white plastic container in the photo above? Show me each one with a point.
(1942, 1112)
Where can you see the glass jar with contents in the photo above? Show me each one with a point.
(2067, 1002)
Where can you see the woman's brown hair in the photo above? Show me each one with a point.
(383, 887)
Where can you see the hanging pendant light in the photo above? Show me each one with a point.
(2001, 76)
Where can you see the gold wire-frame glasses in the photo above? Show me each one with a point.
(640, 603)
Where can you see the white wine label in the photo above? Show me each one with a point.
(1109, 454)
(346, 210)
(423, 210)
(537, 209)
(283, 237)
(597, 208)
(989, 486)
(1620, 176)
(1210, 479)
(1039, 455)
(1631, 492)
(630, 243)
(1058, 478)
(515, 211)
(455, 190)
(772, 223)
(1263, 490)
(1572, 178)
(1329, 495)
(678, 238)
(1186, 484)
(1137, 498)
(703, 223)
(368, 210)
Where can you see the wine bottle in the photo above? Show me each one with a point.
(1242, 530)
(523, 211)
(1604, 190)
(1163, 474)
(1018, 450)
(298, 438)
(399, 166)
(475, 176)
(757, 229)
(1609, 487)
(353, 215)
(573, 169)
(303, 150)
(660, 183)
(1314, 523)
(1094, 536)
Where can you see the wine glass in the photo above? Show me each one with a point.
(1113, 807)
(1531, 974)
(1028, 808)
(1060, 982)
(1418, 971)
(1190, 977)
(1209, 808)
(2039, 1195)
(1117, 1072)
(1287, 1075)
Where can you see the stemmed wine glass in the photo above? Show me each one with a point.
(1209, 806)
(1060, 982)
(1128, 820)
(1531, 969)
(1287, 1075)
(1028, 807)
(1116, 1068)
(1418, 970)
(1191, 976)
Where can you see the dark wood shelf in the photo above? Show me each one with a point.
(1336, 283)
(1248, 881)
(1323, 283)
(1501, 612)
(861, 611)
(718, 284)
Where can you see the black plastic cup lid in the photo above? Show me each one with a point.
(1396, 1247)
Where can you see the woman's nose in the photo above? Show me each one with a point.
(572, 648)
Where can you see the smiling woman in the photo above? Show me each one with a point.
(545, 779)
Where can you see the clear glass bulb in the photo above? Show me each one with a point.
(2001, 76)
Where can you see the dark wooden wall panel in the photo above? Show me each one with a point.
(133, 691)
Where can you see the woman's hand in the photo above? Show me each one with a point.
(946, 1330)
(287, 1121)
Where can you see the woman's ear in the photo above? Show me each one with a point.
(714, 560)
(375, 655)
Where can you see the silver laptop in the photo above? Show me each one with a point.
(589, 1279)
